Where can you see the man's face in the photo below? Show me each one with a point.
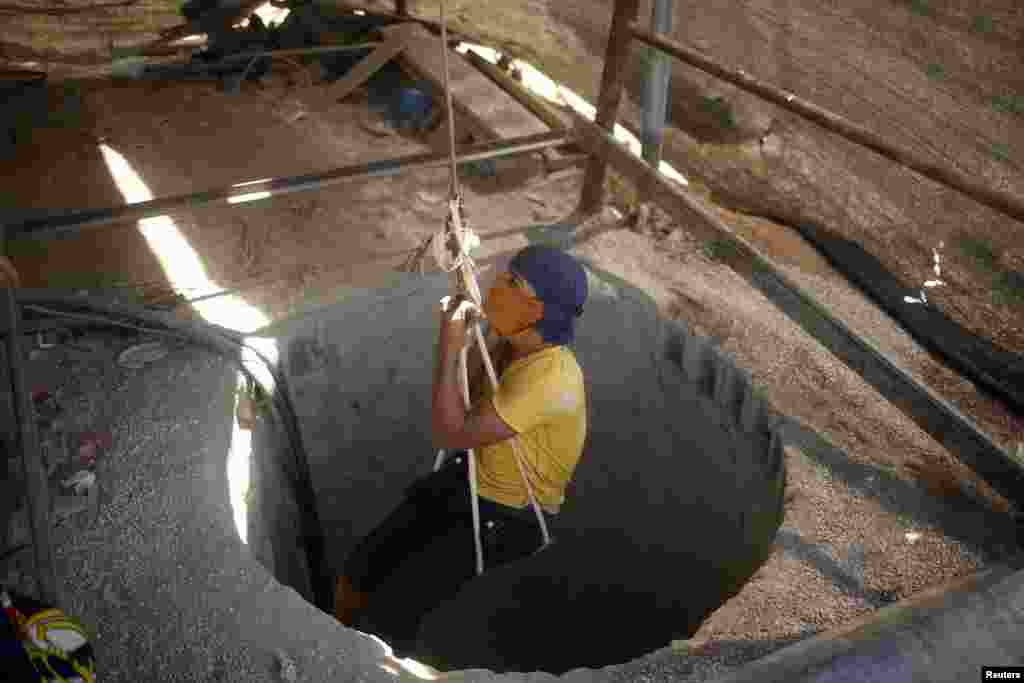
(507, 277)
(512, 305)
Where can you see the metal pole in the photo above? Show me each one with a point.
(656, 81)
(53, 226)
(37, 491)
(999, 200)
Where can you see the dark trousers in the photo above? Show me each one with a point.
(423, 552)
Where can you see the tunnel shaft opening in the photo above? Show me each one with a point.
(674, 505)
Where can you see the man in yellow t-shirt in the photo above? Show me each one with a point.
(540, 402)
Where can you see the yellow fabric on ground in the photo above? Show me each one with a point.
(542, 397)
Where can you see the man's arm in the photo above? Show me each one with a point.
(452, 428)
(477, 373)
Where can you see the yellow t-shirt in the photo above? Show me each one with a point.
(542, 398)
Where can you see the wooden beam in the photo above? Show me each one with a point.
(554, 159)
(397, 39)
(303, 51)
(612, 82)
(488, 106)
(1000, 200)
(934, 415)
(542, 110)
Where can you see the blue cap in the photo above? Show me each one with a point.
(560, 282)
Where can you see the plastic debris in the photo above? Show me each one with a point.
(411, 108)
(483, 168)
(91, 444)
(289, 671)
(101, 439)
(429, 197)
(140, 355)
(87, 454)
(81, 481)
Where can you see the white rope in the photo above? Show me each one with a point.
(451, 251)
(469, 277)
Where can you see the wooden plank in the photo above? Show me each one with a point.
(554, 159)
(612, 82)
(934, 415)
(480, 99)
(972, 186)
(396, 41)
(555, 119)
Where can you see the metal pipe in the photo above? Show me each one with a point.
(656, 82)
(37, 488)
(53, 226)
(999, 200)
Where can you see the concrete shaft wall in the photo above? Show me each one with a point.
(676, 435)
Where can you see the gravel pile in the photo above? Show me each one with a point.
(123, 572)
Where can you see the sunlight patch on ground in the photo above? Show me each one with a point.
(251, 197)
(536, 82)
(399, 666)
(185, 271)
(190, 40)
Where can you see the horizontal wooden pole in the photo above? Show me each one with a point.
(1001, 201)
(300, 51)
(52, 226)
(939, 419)
(537, 107)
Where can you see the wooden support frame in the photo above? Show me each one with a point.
(935, 416)
(370, 65)
(612, 83)
(542, 110)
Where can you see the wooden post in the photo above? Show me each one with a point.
(402, 7)
(612, 81)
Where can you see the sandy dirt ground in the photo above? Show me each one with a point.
(293, 251)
